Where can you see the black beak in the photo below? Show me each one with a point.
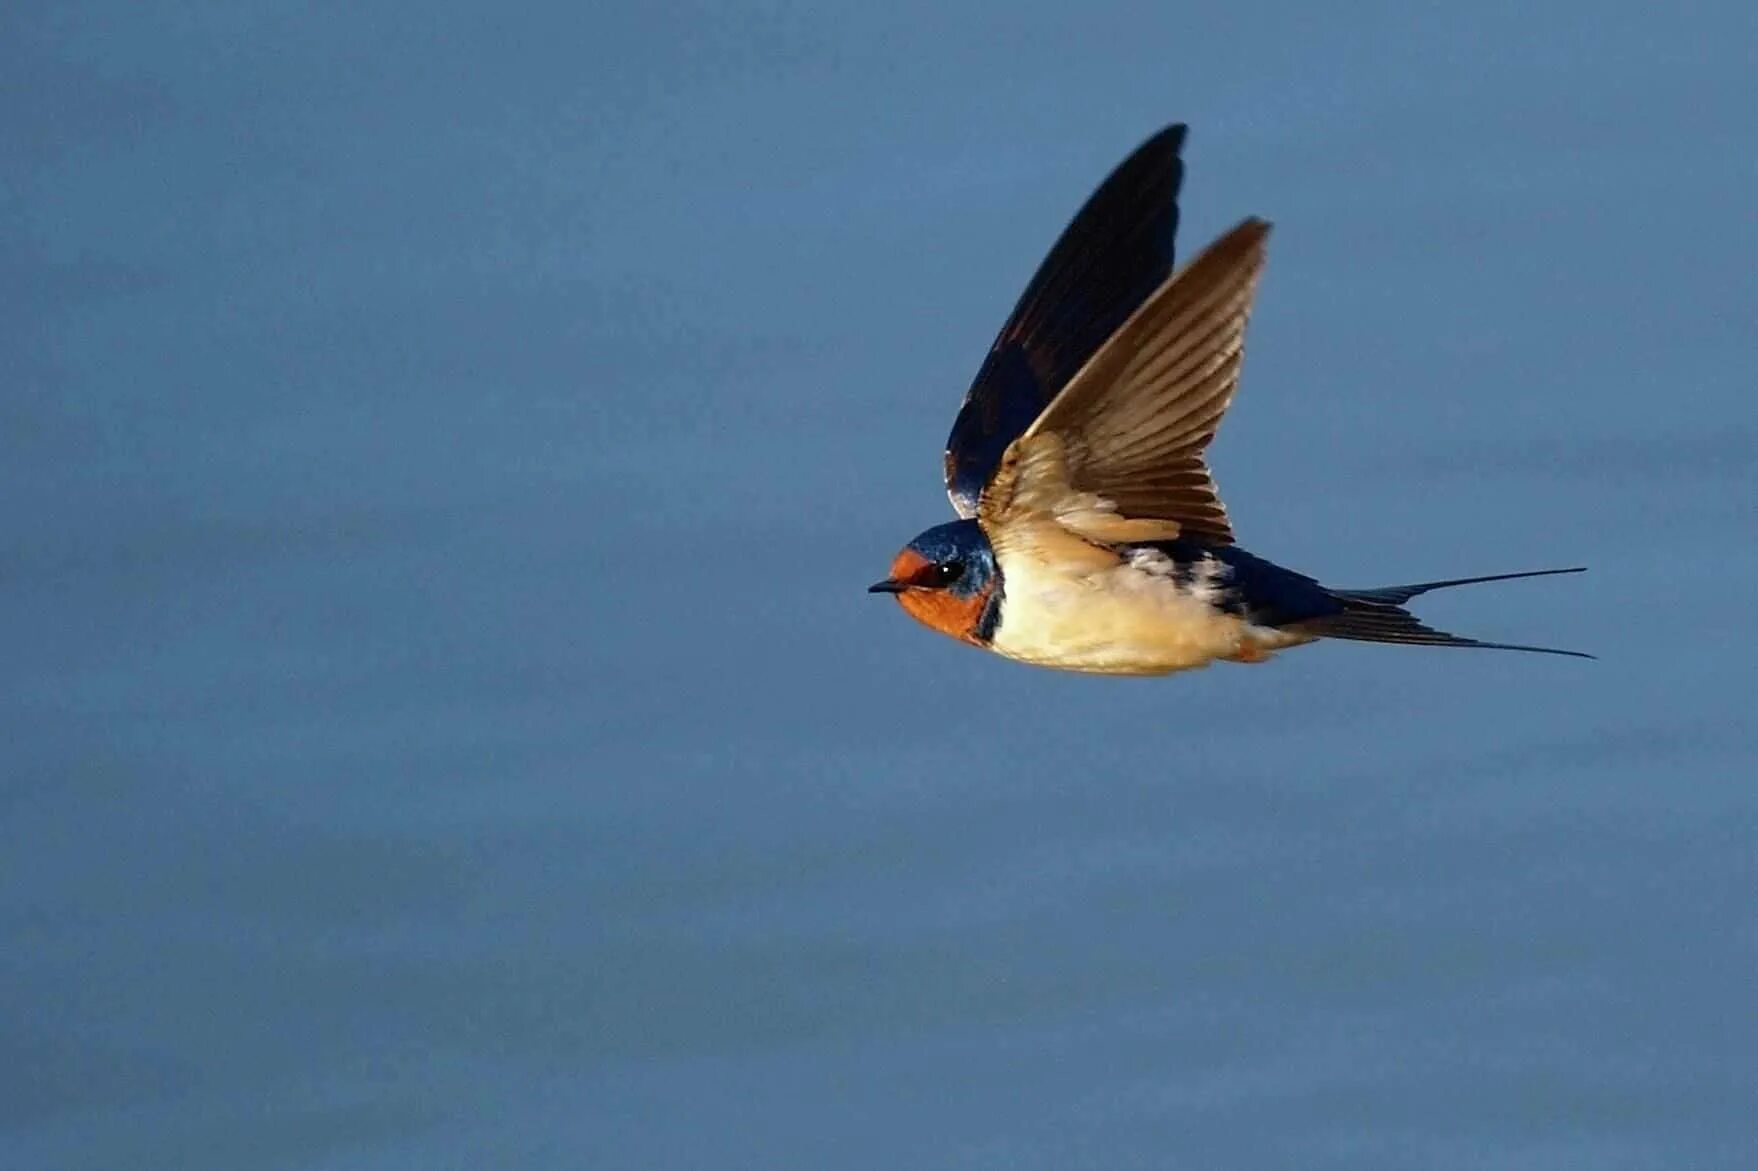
(888, 586)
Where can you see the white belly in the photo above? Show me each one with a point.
(1117, 620)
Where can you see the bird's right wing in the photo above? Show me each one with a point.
(1112, 256)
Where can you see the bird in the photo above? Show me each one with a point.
(1091, 536)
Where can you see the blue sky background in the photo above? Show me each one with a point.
(443, 452)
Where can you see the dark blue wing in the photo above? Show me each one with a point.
(1113, 254)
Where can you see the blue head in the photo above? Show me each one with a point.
(947, 580)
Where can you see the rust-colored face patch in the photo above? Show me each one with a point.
(945, 611)
(933, 605)
(909, 566)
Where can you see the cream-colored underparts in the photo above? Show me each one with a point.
(1128, 618)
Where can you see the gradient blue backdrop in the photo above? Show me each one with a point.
(443, 448)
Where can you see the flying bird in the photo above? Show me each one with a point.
(1091, 535)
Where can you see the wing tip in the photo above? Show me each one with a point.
(1252, 227)
(1169, 137)
(1244, 243)
(1156, 162)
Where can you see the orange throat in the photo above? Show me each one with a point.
(934, 607)
(946, 612)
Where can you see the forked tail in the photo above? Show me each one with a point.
(1379, 616)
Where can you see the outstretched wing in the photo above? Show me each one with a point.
(1114, 253)
(1118, 455)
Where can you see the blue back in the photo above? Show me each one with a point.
(1260, 591)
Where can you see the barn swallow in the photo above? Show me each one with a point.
(1091, 536)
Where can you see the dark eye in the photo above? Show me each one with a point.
(947, 572)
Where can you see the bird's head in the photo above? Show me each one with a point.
(946, 579)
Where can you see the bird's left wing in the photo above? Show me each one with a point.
(1118, 455)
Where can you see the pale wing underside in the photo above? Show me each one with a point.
(1118, 455)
